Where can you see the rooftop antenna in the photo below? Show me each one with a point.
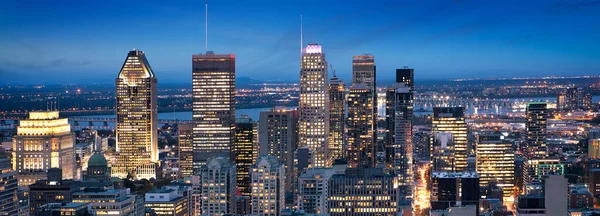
(206, 27)
(300, 34)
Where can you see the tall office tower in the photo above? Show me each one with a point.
(218, 182)
(364, 75)
(313, 126)
(186, 151)
(449, 189)
(452, 120)
(361, 120)
(561, 101)
(363, 191)
(137, 118)
(9, 195)
(278, 138)
(42, 142)
(496, 162)
(535, 145)
(243, 150)
(268, 187)
(213, 105)
(399, 115)
(313, 189)
(337, 118)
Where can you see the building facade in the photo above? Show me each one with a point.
(496, 162)
(268, 187)
(167, 201)
(278, 137)
(186, 149)
(337, 118)
(449, 189)
(398, 142)
(243, 151)
(110, 202)
(218, 183)
(313, 189)
(9, 195)
(137, 118)
(451, 120)
(313, 126)
(536, 124)
(213, 105)
(361, 127)
(43, 141)
(363, 191)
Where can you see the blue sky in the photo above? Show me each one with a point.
(87, 41)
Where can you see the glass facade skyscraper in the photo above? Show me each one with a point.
(137, 118)
(213, 106)
(313, 126)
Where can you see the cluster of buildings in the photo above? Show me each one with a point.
(333, 155)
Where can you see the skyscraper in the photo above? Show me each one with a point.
(9, 202)
(243, 151)
(42, 142)
(452, 120)
(268, 187)
(496, 162)
(535, 145)
(279, 138)
(361, 139)
(364, 75)
(213, 105)
(218, 183)
(313, 127)
(337, 118)
(399, 115)
(186, 153)
(137, 139)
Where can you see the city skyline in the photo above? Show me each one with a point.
(467, 39)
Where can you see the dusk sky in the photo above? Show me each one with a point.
(87, 41)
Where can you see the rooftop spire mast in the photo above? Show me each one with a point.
(300, 34)
(206, 27)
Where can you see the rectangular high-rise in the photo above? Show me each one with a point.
(278, 137)
(186, 151)
(537, 116)
(268, 187)
(398, 143)
(213, 105)
(364, 75)
(361, 121)
(337, 118)
(9, 202)
(243, 151)
(496, 162)
(313, 126)
(137, 118)
(452, 120)
(218, 183)
(43, 141)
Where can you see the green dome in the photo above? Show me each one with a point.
(97, 160)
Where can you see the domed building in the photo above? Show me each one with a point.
(97, 168)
